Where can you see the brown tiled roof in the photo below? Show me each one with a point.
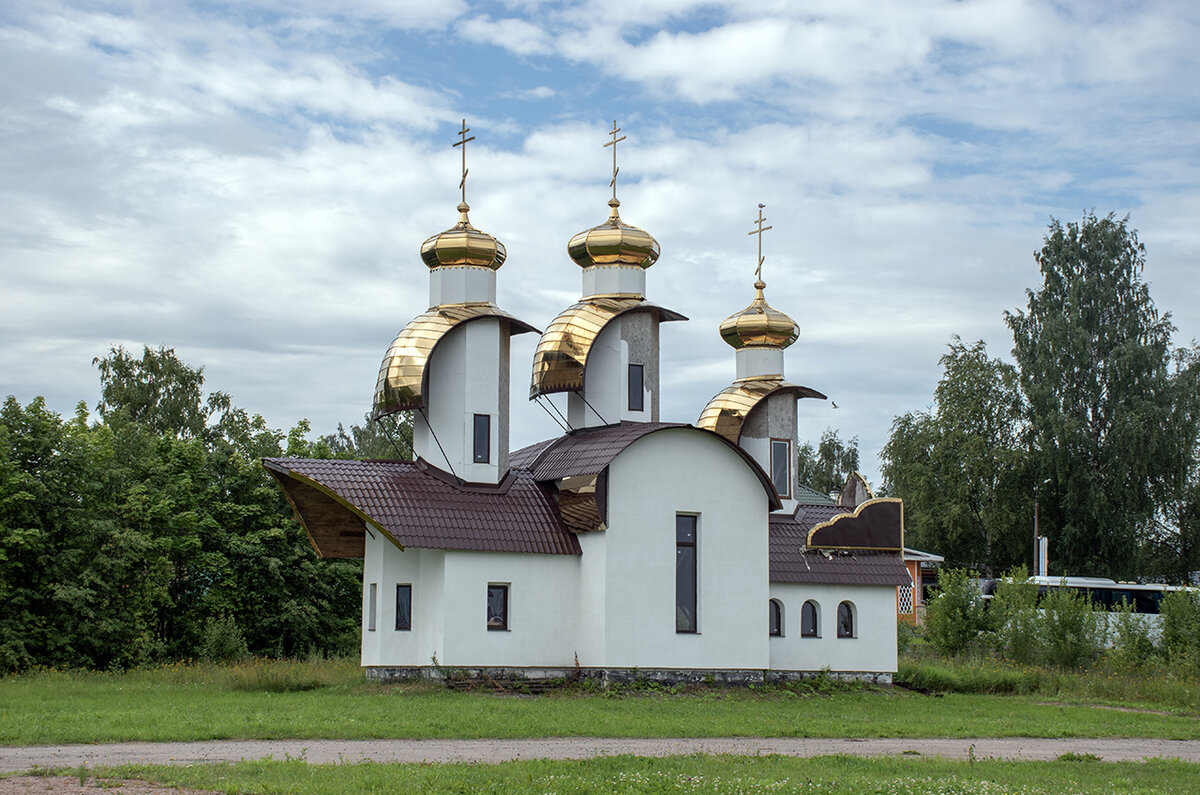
(420, 507)
(791, 561)
(579, 511)
(588, 451)
(582, 452)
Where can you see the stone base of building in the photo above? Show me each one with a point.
(607, 676)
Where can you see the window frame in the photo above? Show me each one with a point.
(503, 624)
(787, 459)
(816, 619)
(405, 587)
(687, 608)
(774, 618)
(639, 393)
(853, 614)
(485, 437)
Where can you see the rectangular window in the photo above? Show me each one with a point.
(636, 386)
(685, 573)
(781, 467)
(372, 605)
(483, 438)
(403, 607)
(497, 606)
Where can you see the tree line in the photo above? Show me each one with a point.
(1097, 419)
(150, 531)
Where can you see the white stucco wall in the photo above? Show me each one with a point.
(614, 280)
(462, 285)
(759, 361)
(468, 375)
(665, 473)
(606, 383)
(449, 607)
(873, 649)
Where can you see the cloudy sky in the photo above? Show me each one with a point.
(249, 183)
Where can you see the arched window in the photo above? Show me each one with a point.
(775, 617)
(846, 620)
(809, 620)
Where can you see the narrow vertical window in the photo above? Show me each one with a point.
(497, 606)
(483, 438)
(781, 466)
(808, 620)
(775, 618)
(636, 387)
(685, 573)
(372, 605)
(403, 607)
(845, 620)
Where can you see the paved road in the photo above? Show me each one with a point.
(491, 751)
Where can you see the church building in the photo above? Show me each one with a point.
(629, 545)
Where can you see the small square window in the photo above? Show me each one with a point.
(637, 380)
(497, 606)
(483, 438)
(403, 607)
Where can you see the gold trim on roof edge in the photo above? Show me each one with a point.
(727, 411)
(402, 375)
(560, 361)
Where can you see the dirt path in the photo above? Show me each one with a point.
(14, 759)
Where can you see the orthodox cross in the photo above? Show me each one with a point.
(759, 231)
(462, 134)
(613, 143)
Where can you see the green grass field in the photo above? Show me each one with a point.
(274, 700)
(690, 774)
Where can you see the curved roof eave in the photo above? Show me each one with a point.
(561, 356)
(728, 410)
(403, 375)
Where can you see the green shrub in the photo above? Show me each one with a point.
(1131, 644)
(1181, 626)
(223, 641)
(955, 617)
(1070, 632)
(1015, 618)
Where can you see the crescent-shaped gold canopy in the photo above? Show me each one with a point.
(561, 356)
(402, 375)
(727, 412)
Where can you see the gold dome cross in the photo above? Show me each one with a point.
(462, 134)
(759, 231)
(613, 143)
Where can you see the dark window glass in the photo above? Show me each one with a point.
(808, 620)
(845, 620)
(636, 394)
(483, 438)
(775, 617)
(781, 467)
(372, 605)
(403, 607)
(685, 573)
(497, 607)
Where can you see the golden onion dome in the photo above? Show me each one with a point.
(759, 325)
(613, 242)
(463, 246)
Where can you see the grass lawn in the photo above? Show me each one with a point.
(275, 700)
(693, 774)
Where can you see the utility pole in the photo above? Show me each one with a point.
(1036, 538)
